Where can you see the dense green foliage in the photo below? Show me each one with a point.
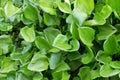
(59, 40)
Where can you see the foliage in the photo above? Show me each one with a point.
(59, 40)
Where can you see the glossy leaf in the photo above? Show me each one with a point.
(47, 6)
(10, 9)
(115, 64)
(82, 9)
(28, 34)
(105, 31)
(110, 50)
(51, 20)
(84, 73)
(107, 71)
(30, 12)
(8, 65)
(50, 35)
(88, 56)
(64, 7)
(42, 44)
(86, 35)
(61, 42)
(38, 63)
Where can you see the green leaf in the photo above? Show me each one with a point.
(50, 35)
(115, 64)
(74, 30)
(5, 27)
(82, 9)
(62, 67)
(42, 44)
(114, 5)
(84, 73)
(64, 7)
(86, 35)
(107, 71)
(51, 20)
(54, 60)
(38, 63)
(38, 76)
(103, 58)
(108, 49)
(28, 33)
(47, 6)
(61, 75)
(105, 31)
(88, 56)
(100, 17)
(10, 9)
(61, 42)
(8, 65)
(30, 12)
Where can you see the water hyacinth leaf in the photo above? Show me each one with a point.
(8, 65)
(63, 75)
(50, 35)
(74, 30)
(5, 27)
(108, 49)
(10, 9)
(63, 66)
(30, 12)
(86, 35)
(107, 71)
(25, 70)
(103, 58)
(82, 9)
(51, 20)
(95, 74)
(64, 7)
(74, 56)
(85, 74)
(61, 42)
(105, 31)
(100, 17)
(38, 76)
(5, 42)
(88, 56)
(47, 6)
(21, 76)
(54, 60)
(38, 63)
(42, 44)
(115, 64)
(75, 45)
(28, 33)
(114, 5)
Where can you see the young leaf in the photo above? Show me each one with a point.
(51, 20)
(8, 65)
(30, 12)
(47, 6)
(86, 35)
(82, 9)
(115, 64)
(88, 56)
(108, 49)
(64, 7)
(50, 35)
(41, 43)
(38, 63)
(107, 71)
(84, 73)
(28, 34)
(61, 42)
